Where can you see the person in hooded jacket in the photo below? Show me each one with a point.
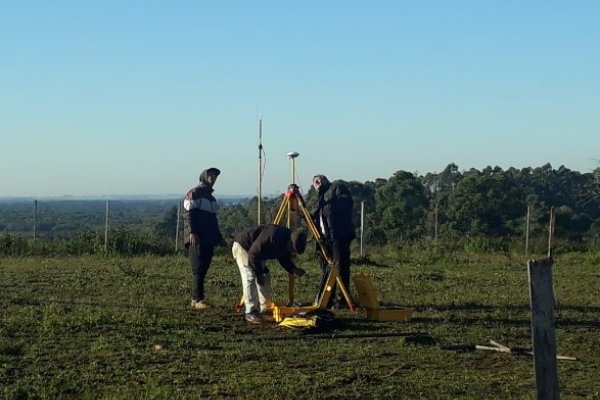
(201, 231)
(332, 215)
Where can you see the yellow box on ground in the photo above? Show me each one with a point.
(367, 298)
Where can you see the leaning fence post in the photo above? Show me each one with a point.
(541, 297)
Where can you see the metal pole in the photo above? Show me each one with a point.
(527, 230)
(292, 155)
(435, 223)
(260, 149)
(106, 227)
(292, 159)
(550, 232)
(177, 225)
(362, 226)
(35, 215)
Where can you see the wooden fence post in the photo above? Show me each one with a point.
(106, 227)
(551, 231)
(541, 297)
(362, 228)
(35, 217)
(177, 226)
(527, 220)
(435, 223)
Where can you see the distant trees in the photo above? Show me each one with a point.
(488, 203)
(400, 205)
(491, 202)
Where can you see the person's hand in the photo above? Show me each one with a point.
(194, 240)
(299, 272)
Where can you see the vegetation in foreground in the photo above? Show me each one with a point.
(83, 327)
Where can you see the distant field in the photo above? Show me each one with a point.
(121, 328)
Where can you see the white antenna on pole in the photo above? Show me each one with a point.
(260, 171)
(292, 155)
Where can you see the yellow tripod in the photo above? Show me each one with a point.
(293, 204)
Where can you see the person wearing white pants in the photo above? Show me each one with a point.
(251, 249)
(257, 297)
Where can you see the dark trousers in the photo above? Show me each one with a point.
(200, 258)
(339, 251)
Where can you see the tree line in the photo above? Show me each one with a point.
(451, 207)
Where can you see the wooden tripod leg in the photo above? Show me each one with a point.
(282, 209)
(327, 284)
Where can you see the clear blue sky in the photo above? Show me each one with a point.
(137, 97)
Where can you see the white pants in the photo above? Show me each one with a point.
(256, 297)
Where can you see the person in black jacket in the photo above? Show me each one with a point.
(333, 217)
(251, 248)
(201, 231)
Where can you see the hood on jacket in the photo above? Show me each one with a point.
(203, 179)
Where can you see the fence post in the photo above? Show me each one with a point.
(35, 216)
(362, 227)
(528, 218)
(106, 227)
(542, 328)
(177, 226)
(435, 223)
(550, 231)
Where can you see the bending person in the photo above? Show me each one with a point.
(251, 249)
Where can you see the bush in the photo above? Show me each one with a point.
(13, 245)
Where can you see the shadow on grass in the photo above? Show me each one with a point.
(351, 325)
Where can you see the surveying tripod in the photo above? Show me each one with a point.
(293, 203)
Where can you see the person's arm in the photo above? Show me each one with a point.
(191, 218)
(287, 263)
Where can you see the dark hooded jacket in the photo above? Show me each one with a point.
(267, 242)
(200, 214)
(333, 212)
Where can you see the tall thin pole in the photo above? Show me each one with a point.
(260, 149)
(292, 155)
(362, 226)
(292, 159)
(177, 225)
(550, 232)
(435, 223)
(527, 230)
(106, 226)
(35, 216)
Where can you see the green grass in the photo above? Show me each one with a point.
(74, 328)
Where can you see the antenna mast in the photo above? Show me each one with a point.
(260, 149)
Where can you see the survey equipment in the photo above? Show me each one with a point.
(292, 207)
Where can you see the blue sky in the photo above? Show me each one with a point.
(137, 97)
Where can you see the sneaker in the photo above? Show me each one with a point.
(199, 305)
(254, 318)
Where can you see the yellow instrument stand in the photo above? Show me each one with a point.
(367, 298)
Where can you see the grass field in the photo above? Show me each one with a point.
(121, 328)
